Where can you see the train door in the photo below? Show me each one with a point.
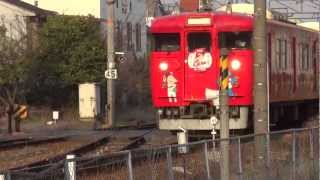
(200, 74)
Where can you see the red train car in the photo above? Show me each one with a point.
(185, 71)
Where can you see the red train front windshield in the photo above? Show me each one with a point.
(235, 40)
(166, 42)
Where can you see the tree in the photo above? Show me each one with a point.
(15, 67)
(72, 52)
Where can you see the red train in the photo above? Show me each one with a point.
(185, 71)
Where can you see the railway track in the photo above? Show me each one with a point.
(25, 141)
(42, 151)
(26, 151)
(88, 157)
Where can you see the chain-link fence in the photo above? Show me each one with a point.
(290, 154)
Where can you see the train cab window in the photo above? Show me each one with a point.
(235, 40)
(166, 42)
(199, 40)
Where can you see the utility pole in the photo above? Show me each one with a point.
(151, 13)
(111, 72)
(224, 115)
(260, 87)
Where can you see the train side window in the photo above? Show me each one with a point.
(166, 42)
(317, 51)
(304, 56)
(315, 54)
(300, 56)
(278, 53)
(282, 54)
(199, 40)
(235, 40)
(308, 56)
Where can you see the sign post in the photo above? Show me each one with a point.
(111, 72)
(224, 115)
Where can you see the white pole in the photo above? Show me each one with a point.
(70, 167)
(5, 176)
(183, 140)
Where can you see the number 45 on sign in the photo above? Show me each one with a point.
(111, 74)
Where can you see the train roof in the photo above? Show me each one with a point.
(220, 20)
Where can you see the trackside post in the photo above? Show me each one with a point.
(260, 87)
(129, 164)
(224, 115)
(2, 177)
(169, 163)
(5, 176)
(111, 72)
(70, 167)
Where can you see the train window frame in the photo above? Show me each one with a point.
(314, 53)
(282, 55)
(278, 53)
(285, 54)
(304, 56)
(318, 50)
(301, 64)
(208, 47)
(155, 46)
(222, 37)
(308, 56)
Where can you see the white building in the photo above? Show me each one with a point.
(130, 24)
(130, 21)
(19, 17)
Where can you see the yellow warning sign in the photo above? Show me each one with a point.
(21, 112)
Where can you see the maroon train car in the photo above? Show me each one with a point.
(184, 69)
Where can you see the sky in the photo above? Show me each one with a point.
(75, 7)
(70, 7)
(85, 7)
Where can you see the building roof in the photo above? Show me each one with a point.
(189, 5)
(29, 7)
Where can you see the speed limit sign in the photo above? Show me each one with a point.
(111, 74)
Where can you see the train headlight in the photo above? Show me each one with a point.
(163, 66)
(235, 64)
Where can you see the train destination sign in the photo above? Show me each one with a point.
(200, 21)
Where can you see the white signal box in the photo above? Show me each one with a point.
(89, 101)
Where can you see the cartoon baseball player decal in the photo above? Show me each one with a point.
(233, 81)
(199, 60)
(171, 85)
